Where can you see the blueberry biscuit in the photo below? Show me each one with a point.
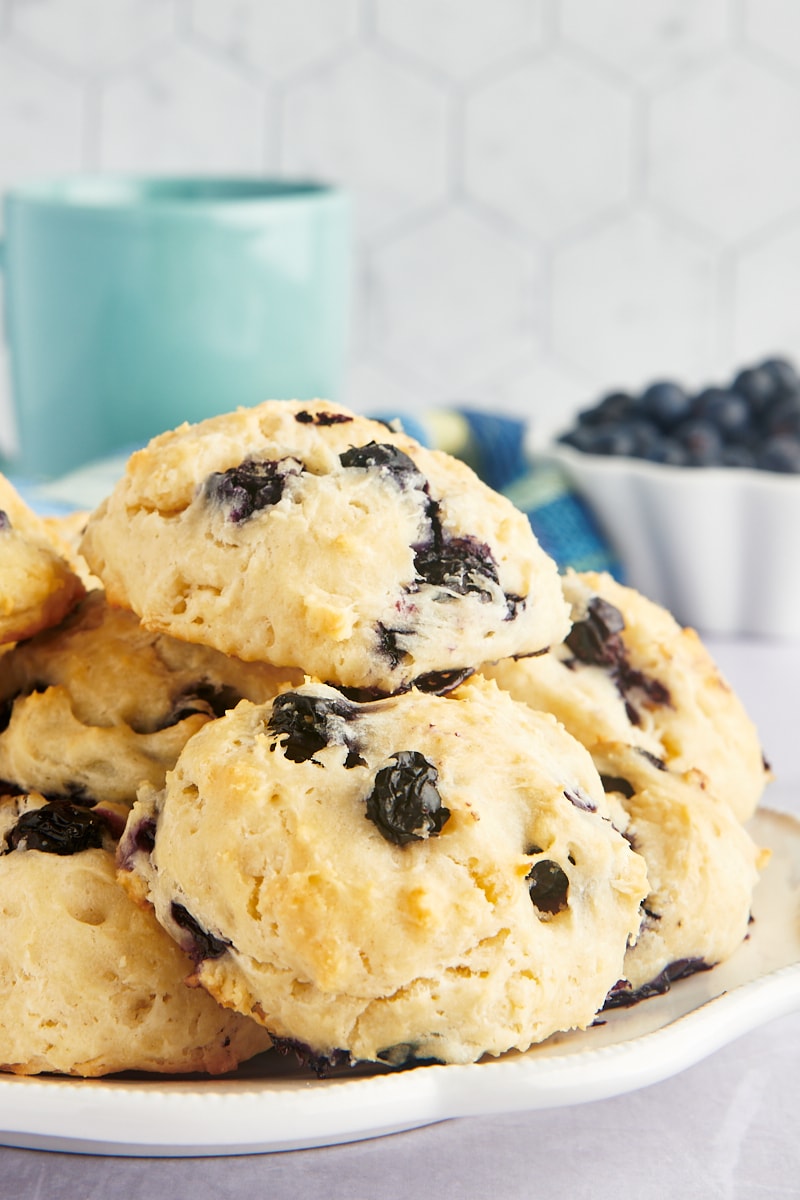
(37, 585)
(98, 705)
(627, 672)
(303, 535)
(89, 982)
(419, 877)
(66, 532)
(702, 867)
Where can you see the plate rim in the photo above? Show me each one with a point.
(235, 1115)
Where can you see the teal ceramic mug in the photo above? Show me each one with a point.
(135, 304)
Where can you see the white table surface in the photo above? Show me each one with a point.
(726, 1129)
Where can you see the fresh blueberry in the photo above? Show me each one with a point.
(702, 442)
(728, 411)
(617, 440)
(580, 438)
(616, 406)
(782, 415)
(668, 450)
(632, 436)
(754, 421)
(757, 385)
(647, 438)
(666, 403)
(737, 455)
(783, 374)
(780, 454)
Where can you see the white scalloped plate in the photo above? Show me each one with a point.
(270, 1105)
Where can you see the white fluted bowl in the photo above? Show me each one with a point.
(718, 546)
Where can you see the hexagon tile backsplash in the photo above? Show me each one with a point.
(552, 197)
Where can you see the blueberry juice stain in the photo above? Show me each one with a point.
(596, 640)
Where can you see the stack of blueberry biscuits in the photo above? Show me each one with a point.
(380, 784)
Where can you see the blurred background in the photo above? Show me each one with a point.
(552, 196)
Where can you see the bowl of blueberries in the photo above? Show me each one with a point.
(698, 493)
